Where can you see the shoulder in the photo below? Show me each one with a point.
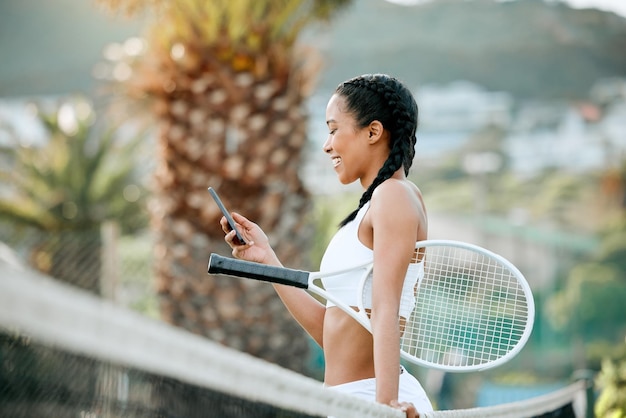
(396, 200)
(397, 213)
(394, 192)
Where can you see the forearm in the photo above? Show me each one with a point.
(305, 309)
(386, 357)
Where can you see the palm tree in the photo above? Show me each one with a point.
(55, 197)
(63, 190)
(227, 83)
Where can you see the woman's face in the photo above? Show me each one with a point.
(347, 145)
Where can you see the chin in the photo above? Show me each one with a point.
(345, 181)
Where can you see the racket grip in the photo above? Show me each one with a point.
(250, 270)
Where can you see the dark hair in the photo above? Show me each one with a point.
(383, 98)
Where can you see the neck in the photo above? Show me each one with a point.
(367, 182)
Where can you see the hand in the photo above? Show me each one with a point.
(257, 246)
(406, 407)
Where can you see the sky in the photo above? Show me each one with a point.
(616, 6)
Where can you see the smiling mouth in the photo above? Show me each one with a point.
(336, 161)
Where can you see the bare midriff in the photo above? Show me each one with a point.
(348, 349)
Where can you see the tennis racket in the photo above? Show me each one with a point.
(473, 309)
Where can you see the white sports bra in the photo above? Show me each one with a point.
(345, 250)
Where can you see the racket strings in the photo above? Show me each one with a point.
(470, 309)
(418, 255)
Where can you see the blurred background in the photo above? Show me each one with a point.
(116, 115)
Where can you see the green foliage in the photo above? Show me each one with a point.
(600, 350)
(591, 303)
(253, 25)
(613, 250)
(612, 382)
(80, 177)
(64, 189)
(559, 192)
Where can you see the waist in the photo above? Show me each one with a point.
(348, 348)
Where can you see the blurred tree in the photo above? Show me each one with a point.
(227, 86)
(560, 193)
(611, 381)
(80, 177)
(591, 303)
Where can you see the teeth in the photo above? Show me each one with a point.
(336, 161)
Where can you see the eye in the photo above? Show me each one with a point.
(332, 131)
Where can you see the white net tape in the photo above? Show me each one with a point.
(537, 406)
(61, 316)
(52, 313)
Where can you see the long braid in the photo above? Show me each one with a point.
(393, 105)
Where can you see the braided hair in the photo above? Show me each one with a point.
(383, 98)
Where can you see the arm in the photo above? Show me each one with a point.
(395, 229)
(305, 309)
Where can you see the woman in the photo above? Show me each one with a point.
(372, 121)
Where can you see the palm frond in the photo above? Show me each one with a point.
(248, 23)
(87, 168)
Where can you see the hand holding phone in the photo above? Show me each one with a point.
(231, 221)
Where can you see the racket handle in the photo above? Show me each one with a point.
(250, 270)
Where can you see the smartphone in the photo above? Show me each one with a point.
(231, 221)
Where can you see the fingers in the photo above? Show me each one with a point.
(225, 226)
(234, 242)
(407, 407)
(250, 233)
(241, 221)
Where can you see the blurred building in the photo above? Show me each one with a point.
(462, 106)
(575, 137)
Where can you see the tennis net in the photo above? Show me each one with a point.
(67, 353)
(569, 402)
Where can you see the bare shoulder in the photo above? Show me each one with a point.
(395, 192)
(399, 202)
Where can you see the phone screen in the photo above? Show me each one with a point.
(225, 212)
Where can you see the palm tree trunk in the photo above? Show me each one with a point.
(241, 131)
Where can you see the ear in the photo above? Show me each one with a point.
(375, 133)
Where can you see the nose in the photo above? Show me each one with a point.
(327, 147)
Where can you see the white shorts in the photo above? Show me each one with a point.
(410, 391)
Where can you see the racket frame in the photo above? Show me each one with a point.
(307, 280)
(525, 287)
